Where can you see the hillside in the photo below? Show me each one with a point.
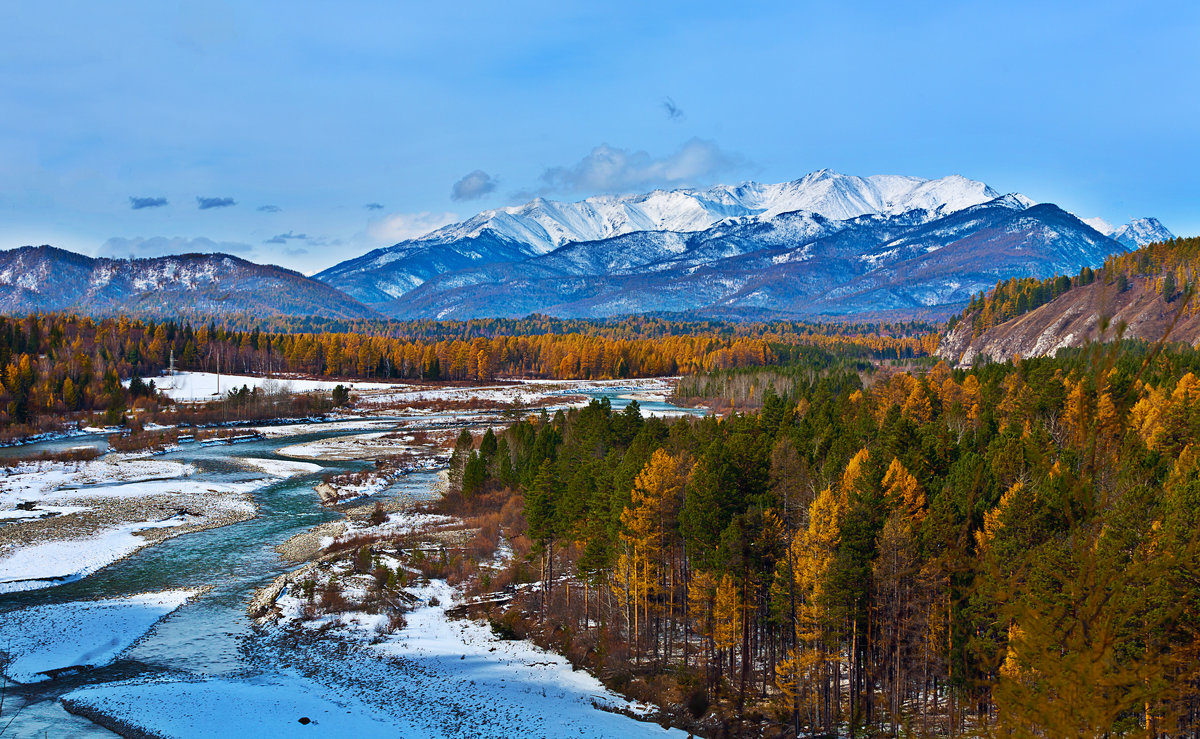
(1141, 295)
(45, 278)
(1073, 320)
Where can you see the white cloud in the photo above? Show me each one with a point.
(402, 226)
(119, 247)
(472, 186)
(609, 169)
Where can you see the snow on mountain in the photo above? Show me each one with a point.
(796, 264)
(541, 226)
(1142, 231)
(547, 224)
(1138, 232)
(46, 278)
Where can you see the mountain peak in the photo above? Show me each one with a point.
(543, 225)
(1136, 233)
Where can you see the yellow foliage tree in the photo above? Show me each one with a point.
(727, 613)
(647, 520)
(903, 490)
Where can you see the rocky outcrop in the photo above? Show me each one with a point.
(1096, 312)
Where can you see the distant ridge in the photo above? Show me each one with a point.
(45, 278)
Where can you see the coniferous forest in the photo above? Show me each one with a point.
(1010, 550)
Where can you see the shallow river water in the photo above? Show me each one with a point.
(206, 637)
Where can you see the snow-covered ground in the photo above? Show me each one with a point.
(524, 392)
(198, 386)
(397, 524)
(190, 386)
(80, 634)
(32, 480)
(268, 705)
(279, 467)
(359, 446)
(350, 424)
(435, 676)
(62, 521)
(511, 685)
(455, 678)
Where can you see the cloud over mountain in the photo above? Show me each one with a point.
(473, 186)
(401, 226)
(610, 169)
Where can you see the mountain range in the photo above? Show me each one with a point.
(825, 245)
(43, 278)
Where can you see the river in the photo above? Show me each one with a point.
(207, 636)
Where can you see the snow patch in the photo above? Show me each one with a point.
(80, 634)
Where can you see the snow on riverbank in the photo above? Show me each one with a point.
(62, 521)
(80, 634)
(520, 392)
(269, 705)
(32, 480)
(455, 678)
(342, 448)
(193, 386)
(544, 694)
(279, 467)
(349, 424)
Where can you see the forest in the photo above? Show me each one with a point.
(57, 365)
(1006, 551)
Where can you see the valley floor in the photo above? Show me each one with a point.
(424, 673)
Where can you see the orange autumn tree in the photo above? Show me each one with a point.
(647, 539)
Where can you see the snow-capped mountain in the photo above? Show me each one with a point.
(796, 264)
(541, 226)
(1138, 232)
(827, 243)
(45, 278)
(546, 225)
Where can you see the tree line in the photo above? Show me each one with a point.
(55, 364)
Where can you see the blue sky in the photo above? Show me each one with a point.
(272, 130)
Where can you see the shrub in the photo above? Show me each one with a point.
(378, 516)
(362, 560)
(332, 598)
